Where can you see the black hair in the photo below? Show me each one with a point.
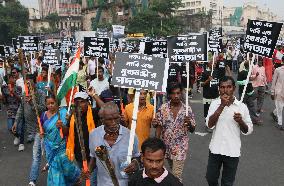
(52, 96)
(101, 68)
(227, 78)
(14, 68)
(101, 60)
(44, 68)
(134, 90)
(153, 144)
(172, 86)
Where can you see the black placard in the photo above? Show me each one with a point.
(97, 47)
(261, 37)
(7, 51)
(215, 40)
(192, 47)
(2, 51)
(140, 71)
(29, 43)
(52, 57)
(16, 43)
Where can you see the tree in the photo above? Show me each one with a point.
(157, 20)
(14, 20)
(53, 19)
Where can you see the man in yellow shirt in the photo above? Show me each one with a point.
(144, 117)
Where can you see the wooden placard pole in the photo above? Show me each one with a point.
(133, 126)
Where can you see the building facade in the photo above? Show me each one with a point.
(239, 16)
(69, 12)
(214, 7)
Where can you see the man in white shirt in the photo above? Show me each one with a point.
(91, 70)
(228, 117)
(99, 84)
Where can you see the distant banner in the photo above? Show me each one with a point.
(7, 51)
(118, 31)
(192, 47)
(215, 40)
(97, 47)
(66, 43)
(156, 48)
(261, 37)
(16, 43)
(52, 57)
(140, 71)
(29, 43)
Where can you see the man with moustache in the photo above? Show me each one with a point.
(154, 172)
(173, 125)
(144, 117)
(115, 138)
(228, 118)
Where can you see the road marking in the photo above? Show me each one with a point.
(196, 101)
(201, 133)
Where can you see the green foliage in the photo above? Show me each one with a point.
(14, 20)
(157, 20)
(53, 18)
(166, 7)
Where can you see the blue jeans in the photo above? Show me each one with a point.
(36, 158)
(20, 129)
(10, 123)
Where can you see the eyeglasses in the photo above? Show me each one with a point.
(14, 72)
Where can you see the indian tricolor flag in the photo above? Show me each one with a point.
(69, 81)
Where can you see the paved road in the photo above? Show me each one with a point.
(261, 163)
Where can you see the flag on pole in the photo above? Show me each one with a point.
(69, 81)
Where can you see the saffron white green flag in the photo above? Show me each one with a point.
(69, 81)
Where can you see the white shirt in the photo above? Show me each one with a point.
(236, 53)
(20, 83)
(226, 134)
(92, 67)
(99, 86)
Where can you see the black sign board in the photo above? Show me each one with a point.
(7, 51)
(66, 43)
(94, 46)
(156, 48)
(215, 40)
(192, 47)
(2, 51)
(16, 43)
(52, 57)
(261, 37)
(140, 71)
(29, 43)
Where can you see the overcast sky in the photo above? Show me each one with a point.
(275, 5)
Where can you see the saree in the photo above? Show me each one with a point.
(61, 172)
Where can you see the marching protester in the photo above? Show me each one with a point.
(210, 86)
(82, 77)
(172, 125)
(92, 66)
(277, 94)
(259, 83)
(144, 117)
(228, 118)
(27, 112)
(114, 138)
(11, 97)
(249, 97)
(154, 172)
(61, 171)
(43, 84)
(99, 84)
(73, 147)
